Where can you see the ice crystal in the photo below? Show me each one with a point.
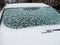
(26, 17)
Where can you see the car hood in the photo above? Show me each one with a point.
(30, 36)
(35, 28)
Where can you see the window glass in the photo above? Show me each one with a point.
(27, 17)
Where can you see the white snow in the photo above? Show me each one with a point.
(35, 28)
(29, 36)
(26, 5)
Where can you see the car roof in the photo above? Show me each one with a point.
(14, 5)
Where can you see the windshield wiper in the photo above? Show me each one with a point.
(47, 31)
(56, 29)
(50, 31)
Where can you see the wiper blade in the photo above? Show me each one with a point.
(56, 29)
(50, 31)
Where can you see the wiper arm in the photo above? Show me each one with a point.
(50, 31)
(56, 29)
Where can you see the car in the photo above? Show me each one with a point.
(29, 24)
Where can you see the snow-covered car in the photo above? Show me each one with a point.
(29, 24)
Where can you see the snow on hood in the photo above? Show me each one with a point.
(9, 37)
(26, 5)
(29, 29)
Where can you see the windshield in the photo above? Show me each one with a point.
(31, 16)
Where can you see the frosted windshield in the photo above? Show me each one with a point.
(27, 17)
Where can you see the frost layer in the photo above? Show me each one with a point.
(31, 16)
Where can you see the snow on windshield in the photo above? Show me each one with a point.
(26, 17)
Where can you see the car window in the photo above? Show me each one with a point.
(31, 16)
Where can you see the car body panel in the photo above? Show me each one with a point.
(36, 35)
(30, 36)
